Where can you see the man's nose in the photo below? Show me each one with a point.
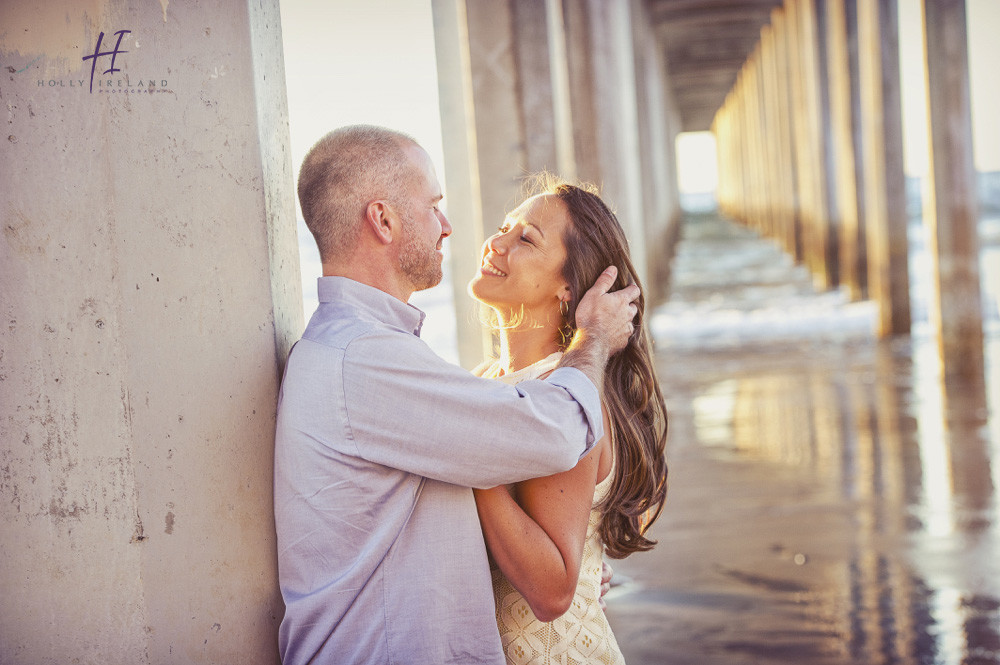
(445, 225)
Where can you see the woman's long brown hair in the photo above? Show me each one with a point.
(632, 395)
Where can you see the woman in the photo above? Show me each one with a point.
(547, 535)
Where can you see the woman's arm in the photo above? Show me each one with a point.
(536, 536)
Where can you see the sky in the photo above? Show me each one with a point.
(373, 61)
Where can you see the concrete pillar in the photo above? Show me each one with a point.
(759, 145)
(581, 82)
(804, 154)
(151, 292)
(845, 120)
(951, 209)
(772, 129)
(500, 134)
(751, 107)
(720, 131)
(461, 170)
(785, 138)
(810, 119)
(503, 91)
(536, 96)
(882, 164)
(602, 79)
(657, 133)
(759, 140)
(828, 215)
(561, 101)
(517, 80)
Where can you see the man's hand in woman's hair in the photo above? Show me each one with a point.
(608, 316)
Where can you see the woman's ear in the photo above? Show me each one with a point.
(381, 219)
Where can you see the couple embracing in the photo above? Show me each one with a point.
(420, 507)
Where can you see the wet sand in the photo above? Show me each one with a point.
(831, 500)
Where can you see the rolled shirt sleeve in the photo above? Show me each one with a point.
(409, 409)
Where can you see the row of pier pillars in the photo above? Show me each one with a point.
(575, 87)
(810, 146)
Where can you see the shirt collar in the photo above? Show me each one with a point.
(379, 304)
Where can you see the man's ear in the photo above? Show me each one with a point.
(382, 220)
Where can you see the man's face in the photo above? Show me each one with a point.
(424, 225)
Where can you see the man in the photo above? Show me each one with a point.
(380, 552)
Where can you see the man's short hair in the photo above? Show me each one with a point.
(343, 172)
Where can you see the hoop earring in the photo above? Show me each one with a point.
(565, 330)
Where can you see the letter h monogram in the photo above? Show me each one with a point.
(97, 53)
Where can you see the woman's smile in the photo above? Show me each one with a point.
(490, 269)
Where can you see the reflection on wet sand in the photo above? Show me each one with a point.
(832, 500)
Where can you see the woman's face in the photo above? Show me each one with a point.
(522, 262)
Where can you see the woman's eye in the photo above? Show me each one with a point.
(526, 239)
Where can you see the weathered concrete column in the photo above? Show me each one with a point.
(751, 120)
(483, 146)
(743, 141)
(581, 82)
(657, 133)
(828, 215)
(810, 119)
(496, 90)
(561, 90)
(602, 80)
(801, 145)
(536, 96)
(772, 134)
(730, 145)
(882, 164)
(505, 112)
(723, 148)
(151, 292)
(785, 138)
(845, 120)
(951, 210)
(762, 143)
(461, 171)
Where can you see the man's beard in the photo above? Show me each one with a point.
(418, 261)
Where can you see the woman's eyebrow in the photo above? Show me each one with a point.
(540, 232)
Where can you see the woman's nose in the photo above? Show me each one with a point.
(495, 244)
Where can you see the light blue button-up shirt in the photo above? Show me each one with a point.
(380, 553)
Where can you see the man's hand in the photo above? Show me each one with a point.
(606, 573)
(608, 318)
(604, 324)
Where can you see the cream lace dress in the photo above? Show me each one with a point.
(582, 635)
